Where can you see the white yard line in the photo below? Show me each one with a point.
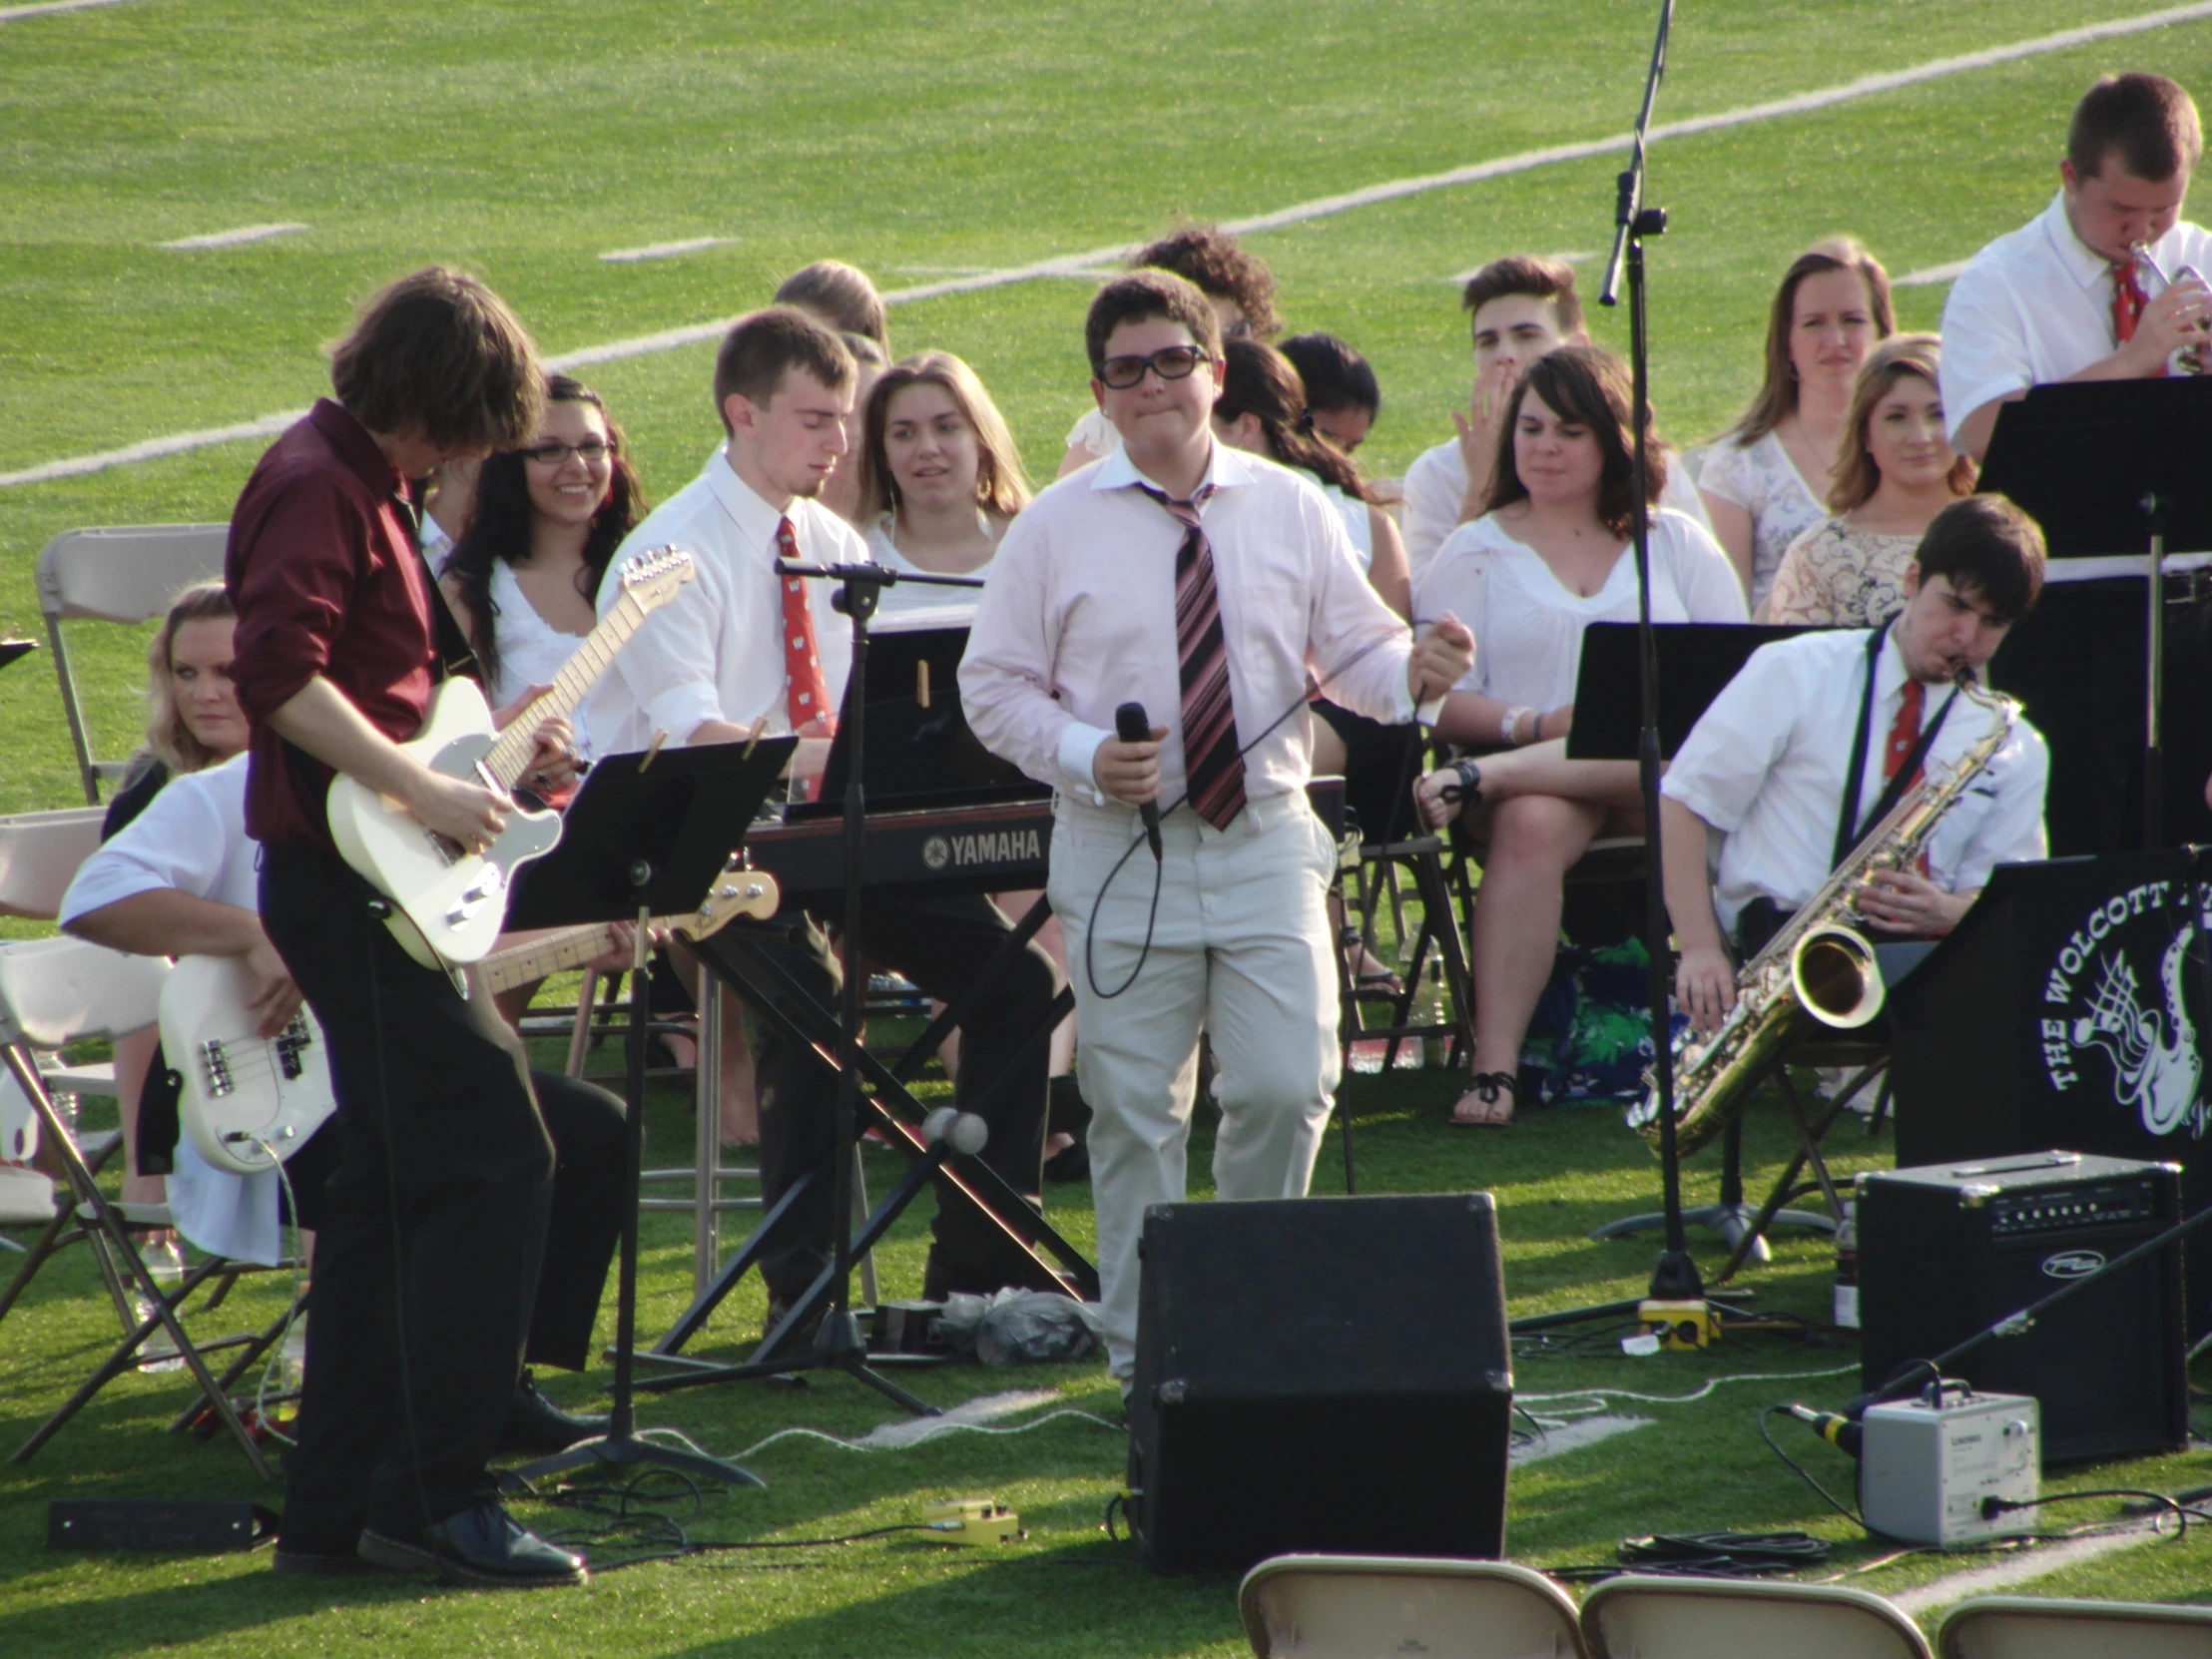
(663, 250)
(1573, 1436)
(16, 14)
(1930, 277)
(1078, 265)
(233, 238)
(2033, 1563)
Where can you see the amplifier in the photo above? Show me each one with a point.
(1323, 1375)
(1947, 1250)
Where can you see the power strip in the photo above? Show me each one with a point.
(973, 1520)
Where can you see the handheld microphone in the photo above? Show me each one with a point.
(1132, 724)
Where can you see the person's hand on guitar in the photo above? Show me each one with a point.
(459, 808)
(621, 948)
(274, 998)
(553, 765)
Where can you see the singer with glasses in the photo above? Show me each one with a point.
(2075, 295)
(1210, 587)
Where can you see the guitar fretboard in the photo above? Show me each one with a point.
(510, 754)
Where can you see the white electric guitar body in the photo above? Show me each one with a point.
(248, 1101)
(450, 903)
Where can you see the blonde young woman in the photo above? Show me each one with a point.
(1896, 471)
(1765, 480)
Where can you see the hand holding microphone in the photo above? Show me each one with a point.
(1127, 767)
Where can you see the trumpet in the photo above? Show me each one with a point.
(2190, 360)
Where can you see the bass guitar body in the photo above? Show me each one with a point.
(450, 902)
(248, 1101)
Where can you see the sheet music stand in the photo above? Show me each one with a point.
(1696, 659)
(646, 832)
(2116, 466)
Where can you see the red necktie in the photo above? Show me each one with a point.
(805, 695)
(2128, 300)
(1905, 731)
(1214, 770)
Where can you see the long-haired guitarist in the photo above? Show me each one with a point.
(430, 1253)
(1770, 764)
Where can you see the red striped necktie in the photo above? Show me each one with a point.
(1214, 769)
(2128, 300)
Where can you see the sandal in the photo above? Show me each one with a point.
(1485, 1091)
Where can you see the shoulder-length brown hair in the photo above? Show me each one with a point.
(1000, 484)
(1588, 385)
(439, 355)
(1899, 357)
(1778, 395)
(168, 739)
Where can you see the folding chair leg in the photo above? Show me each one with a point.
(249, 1355)
(579, 1036)
(1435, 898)
(1808, 1139)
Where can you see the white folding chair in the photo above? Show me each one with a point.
(1373, 1606)
(126, 575)
(2026, 1627)
(1647, 1617)
(39, 855)
(57, 991)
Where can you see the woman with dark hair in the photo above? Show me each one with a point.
(1765, 480)
(1239, 286)
(1549, 557)
(1343, 397)
(1896, 471)
(523, 577)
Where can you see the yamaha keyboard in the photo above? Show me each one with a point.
(1002, 846)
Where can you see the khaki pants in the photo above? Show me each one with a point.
(1240, 948)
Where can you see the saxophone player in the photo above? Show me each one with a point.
(1818, 736)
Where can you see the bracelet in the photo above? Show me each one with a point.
(1511, 722)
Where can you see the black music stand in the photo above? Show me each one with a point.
(2116, 467)
(646, 832)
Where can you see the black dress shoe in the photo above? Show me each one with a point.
(484, 1547)
(534, 1425)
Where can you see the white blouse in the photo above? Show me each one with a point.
(1527, 624)
(1092, 431)
(191, 838)
(531, 650)
(956, 605)
(1766, 483)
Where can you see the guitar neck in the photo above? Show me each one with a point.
(510, 754)
(556, 953)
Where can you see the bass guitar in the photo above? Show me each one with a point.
(448, 902)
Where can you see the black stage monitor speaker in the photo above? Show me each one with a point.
(1320, 1374)
(1947, 1251)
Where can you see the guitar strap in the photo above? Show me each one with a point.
(451, 653)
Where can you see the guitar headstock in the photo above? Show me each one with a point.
(736, 893)
(651, 579)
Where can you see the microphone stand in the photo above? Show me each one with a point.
(1675, 1277)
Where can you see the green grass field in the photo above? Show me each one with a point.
(920, 140)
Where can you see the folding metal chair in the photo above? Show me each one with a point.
(54, 992)
(1645, 1617)
(1367, 1606)
(126, 575)
(38, 854)
(2030, 1627)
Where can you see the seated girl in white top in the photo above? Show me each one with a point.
(1550, 557)
(524, 576)
(1766, 479)
(1896, 472)
(940, 480)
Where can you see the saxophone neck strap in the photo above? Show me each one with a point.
(1849, 821)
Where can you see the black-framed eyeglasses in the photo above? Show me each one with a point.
(553, 454)
(1170, 362)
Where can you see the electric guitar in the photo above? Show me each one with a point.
(248, 1101)
(450, 902)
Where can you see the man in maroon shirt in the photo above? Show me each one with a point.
(427, 1262)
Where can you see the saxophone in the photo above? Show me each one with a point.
(1818, 961)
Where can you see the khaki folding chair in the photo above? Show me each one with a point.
(1647, 1617)
(2026, 1627)
(54, 992)
(1380, 1607)
(39, 855)
(126, 575)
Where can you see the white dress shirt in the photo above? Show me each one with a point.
(1079, 618)
(191, 837)
(2033, 307)
(713, 652)
(1764, 765)
(1435, 488)
(929, 605)
(1527, 624)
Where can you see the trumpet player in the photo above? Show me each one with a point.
(1817, 737)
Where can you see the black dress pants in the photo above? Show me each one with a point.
(943, 946)
(585, 1122)
(426, 1265)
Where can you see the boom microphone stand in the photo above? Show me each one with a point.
(1675, 1277)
